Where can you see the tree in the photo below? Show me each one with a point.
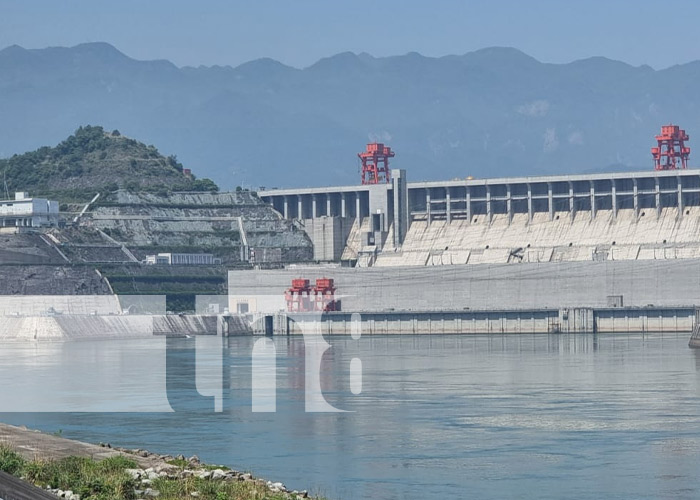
(204, 185)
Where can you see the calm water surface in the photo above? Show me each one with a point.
(527, 416)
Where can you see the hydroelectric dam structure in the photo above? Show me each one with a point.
(647, 215)
(605, 252)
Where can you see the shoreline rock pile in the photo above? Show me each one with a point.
(180, 468)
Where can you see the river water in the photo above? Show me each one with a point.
(518, 416)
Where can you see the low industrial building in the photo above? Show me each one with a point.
(183, 259)
(24, 211)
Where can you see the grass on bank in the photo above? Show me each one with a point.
(108, 480)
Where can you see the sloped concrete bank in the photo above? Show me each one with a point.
(77, 327)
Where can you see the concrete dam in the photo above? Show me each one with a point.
(609, 252)
(614, 216)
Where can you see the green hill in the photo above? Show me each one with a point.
(93, 160)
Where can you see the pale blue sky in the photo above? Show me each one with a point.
(300, 32)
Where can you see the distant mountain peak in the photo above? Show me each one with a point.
(340, 61)
(507, 55)
(266, 64)
(100, 50)
(501, 50)
(103, 47)
(600, 61)
(13, 49)
(14, 54)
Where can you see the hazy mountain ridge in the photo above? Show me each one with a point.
(492, 112)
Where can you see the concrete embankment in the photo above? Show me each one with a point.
(33, 444)
(79, 327)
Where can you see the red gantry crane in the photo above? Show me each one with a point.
(325, 295)
(671, 152)
(298, 296)
(375, 164)
(302, 297)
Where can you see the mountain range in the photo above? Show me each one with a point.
(492, 112)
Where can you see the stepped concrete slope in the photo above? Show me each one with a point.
(566, 238)
(233, 226)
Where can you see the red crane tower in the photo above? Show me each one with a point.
(375, 164)
(671, 148)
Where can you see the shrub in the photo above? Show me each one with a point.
(10, 461)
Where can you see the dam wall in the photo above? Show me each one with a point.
(531, 286)
(329, 236)
(604, 216)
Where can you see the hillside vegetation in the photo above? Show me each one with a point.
(93, 160)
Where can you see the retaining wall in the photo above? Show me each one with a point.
(577, 320)
(531, 286)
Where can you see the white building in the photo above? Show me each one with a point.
(24, 211)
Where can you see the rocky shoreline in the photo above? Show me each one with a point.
(145, 474)
(179, 467)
